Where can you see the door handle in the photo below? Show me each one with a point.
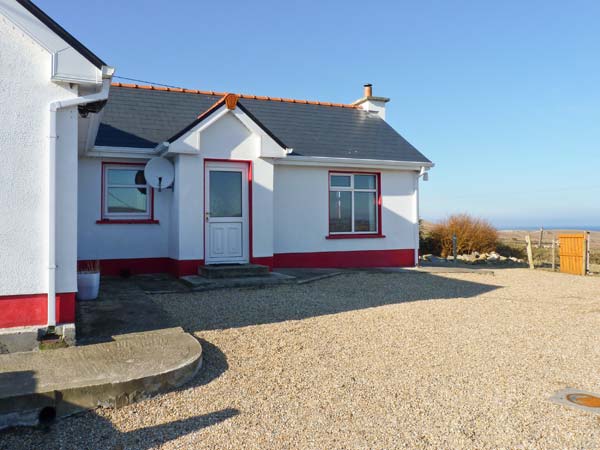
(207, 215)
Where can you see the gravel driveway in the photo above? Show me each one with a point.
(370, 360)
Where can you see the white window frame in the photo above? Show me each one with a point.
(352, 189)
(147, 215)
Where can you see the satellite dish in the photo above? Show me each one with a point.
(159, 173)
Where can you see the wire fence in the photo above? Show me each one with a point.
(545, 247)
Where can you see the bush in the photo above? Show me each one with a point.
(427, 245)
(472, 235)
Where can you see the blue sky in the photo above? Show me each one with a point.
(503, 96)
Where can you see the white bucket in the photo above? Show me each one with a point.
(88, 285)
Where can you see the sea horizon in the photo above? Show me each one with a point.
(553, 227)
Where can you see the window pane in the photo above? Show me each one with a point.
(340, 212)
(364, 181)
(225, 194)
(365, 208)
(340, 180)
(127, 200)
(126, 176)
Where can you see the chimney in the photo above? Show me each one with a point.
(370, 103)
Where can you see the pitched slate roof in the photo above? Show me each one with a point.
(137, 116)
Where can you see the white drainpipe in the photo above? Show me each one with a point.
(54, 107)
(422, 173)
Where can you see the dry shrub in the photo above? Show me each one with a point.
(472, 235)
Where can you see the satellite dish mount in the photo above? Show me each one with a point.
(159, 173)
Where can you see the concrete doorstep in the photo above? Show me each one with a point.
(37, 387)
(200, 283)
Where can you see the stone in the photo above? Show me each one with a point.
(128, 369)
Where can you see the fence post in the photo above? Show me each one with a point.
(586, 253)
(541, 237)
(589, 250)
(454, 251)
(553, 254)
(529, 252)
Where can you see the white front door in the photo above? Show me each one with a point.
(226, 213)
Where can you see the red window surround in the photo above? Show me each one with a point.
(379, 234)
(107, 221)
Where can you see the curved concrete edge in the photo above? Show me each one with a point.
(25, 410)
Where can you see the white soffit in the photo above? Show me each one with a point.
(67, 63)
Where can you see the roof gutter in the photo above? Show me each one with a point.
(162, 148)
(353, 162)
(52, 138)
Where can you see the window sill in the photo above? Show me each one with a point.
(355, 236)
(126, 221)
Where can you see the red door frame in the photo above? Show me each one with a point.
(250, 236)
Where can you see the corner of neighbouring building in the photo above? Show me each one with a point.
(33, 61)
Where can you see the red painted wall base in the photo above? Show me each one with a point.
(179, 268)
(263, 261)
(30, 310)
(136, 266)
(352, 259)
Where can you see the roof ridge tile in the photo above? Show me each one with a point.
(222, 94)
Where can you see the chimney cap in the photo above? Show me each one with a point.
(368, 96)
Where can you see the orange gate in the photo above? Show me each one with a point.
(573, 253)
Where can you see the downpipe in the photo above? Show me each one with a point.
(422, 174)
(52, 140)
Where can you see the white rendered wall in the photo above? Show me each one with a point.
(25, 94)
(302, 212)
(227, 138)
(118, 241)
(188, 205)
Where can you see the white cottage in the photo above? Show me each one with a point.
(263, 180)
(280, 182)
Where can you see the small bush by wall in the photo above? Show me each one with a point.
(472, 235)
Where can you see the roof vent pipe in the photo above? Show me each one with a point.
(368, 90)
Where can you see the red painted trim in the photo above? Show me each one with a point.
(379, 198)
(137, 266)
(180, 268)
(379, 205)
(113, 221)
(263, 260)
(355, 236)
(107, 220)
(352, 259)
(250, 207)
(250, 216)
(31, 310)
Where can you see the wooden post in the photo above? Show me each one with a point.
(553, 254)
(529, 252)
(541, 237)
(454, 251)
(589, 250)
(586, 250)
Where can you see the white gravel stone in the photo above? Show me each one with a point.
(370, 360)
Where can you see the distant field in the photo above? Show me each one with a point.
(512, 243)
(515, 239)
(519, 236)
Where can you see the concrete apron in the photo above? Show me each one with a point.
(37, 387)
